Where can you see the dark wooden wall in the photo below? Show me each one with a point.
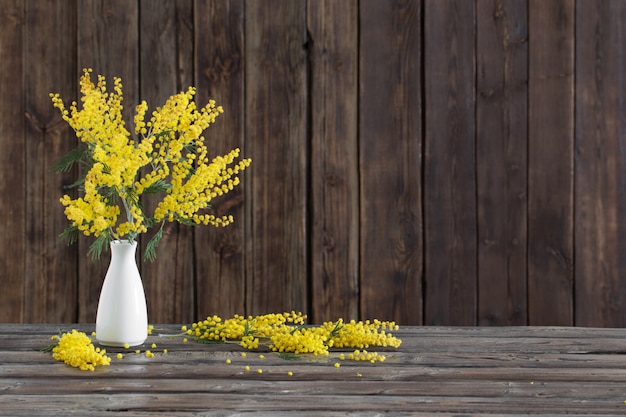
(447, 162)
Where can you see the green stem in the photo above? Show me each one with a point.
(129, 215)
(129, 218)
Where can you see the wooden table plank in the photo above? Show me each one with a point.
(269, 404)
(504, 371)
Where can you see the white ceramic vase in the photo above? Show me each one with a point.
(122, 316)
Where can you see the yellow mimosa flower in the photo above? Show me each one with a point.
(166, 156)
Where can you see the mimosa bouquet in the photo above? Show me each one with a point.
(166, 156)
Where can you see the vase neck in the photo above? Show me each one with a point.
(123, 248)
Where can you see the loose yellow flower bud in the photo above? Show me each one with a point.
(76, 349)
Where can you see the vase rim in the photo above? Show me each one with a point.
(123, 242)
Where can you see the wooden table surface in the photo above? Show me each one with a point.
(446, 371)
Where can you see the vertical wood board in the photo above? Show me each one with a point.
(550, 162)
(449, 163)
(12, 163)
(165, 69)
(219, 75)
(107, 42)
(501, 160)
(276, 137)
(50, 275)
(600, 169)
(390, 161)
(334, 217)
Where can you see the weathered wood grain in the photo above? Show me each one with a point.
(501, 160)
(550, 162)
(450, 230)
(12, 181)
(390, 161)
(600, 143)
(49, 279)
(277, 189)
(166, 68)
(505, 371)
(482, 173)
(220, 262)
(334, 233)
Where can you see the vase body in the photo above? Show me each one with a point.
(122, 316)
